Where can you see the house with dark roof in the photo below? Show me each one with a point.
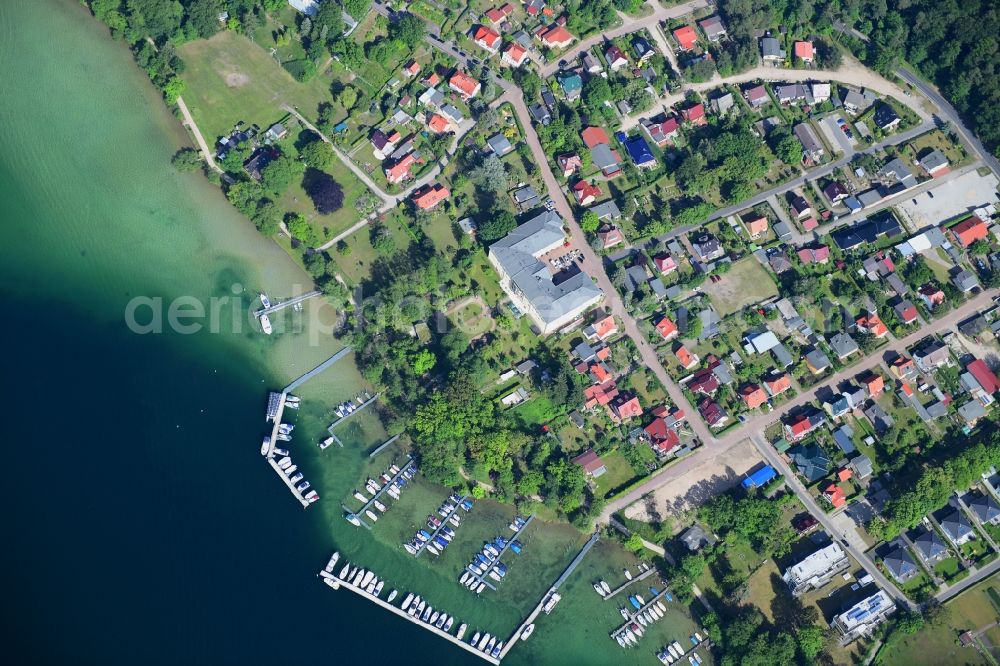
(606, 160)
(713, 27)
(886, 118)
(956, 527)
(817, 361)
(843, 345)
(906, 311)
(707, 247)
(899, 563)
(713, 414)
(811, 461)
(639, 152)
(984, 507)
(695, 538)
(880, 420)
(930, 547)
(771, 51)
(756, 96)
(591, 463)
(935, 164)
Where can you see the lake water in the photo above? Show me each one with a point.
(143, 526)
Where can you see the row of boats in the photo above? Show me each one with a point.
(675, 652)
(348, 407)
(391, 482)
(294, 476)
(487, 563)
(440, 534)
(414, 606)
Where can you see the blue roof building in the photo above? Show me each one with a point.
(639, 151)
(760, 478)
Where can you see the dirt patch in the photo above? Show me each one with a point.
(692, 489)
(236, 79)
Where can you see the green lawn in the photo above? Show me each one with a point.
(356, 266)
(619, 472)
(951, 570)
(746, 283)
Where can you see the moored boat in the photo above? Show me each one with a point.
(465, 577)
(265, 324)
(461, 631)
(496, 649)
(605, 587)
(332, 562)
(379, 506)
(378, 588)
(482, 643)
(482, 586)
(343, 572)
(367, 578)
(623, 612)
(599, 589)
(371, 514)
(264, 300)
(628, 575)
(449, 623)
(266, 446)
(358, 496)
(527, 631)
(353, 520)
(475, 639)
(406, 600)
(434, 617)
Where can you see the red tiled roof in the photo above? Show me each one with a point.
(753, 396)
(430, 196)
(873, 323)
(844, 474)
(605, 327)
(779, 384)
(804, 50)
(515, 53)
(755, 224)
(969, 231)
(684, 356)
(557, 36)
(666, 328)
(584, 191)
(589, 461)
(628, 409)
(437, 123)
(464, 83)
(693, 113)
(486, 37)
(686, 37)
(569, 162)
(835, 494)
(664, 263)
(401, 169)
(594, 136)
(984, 375)
(875, 384)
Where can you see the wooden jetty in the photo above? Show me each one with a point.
(382, 447)
(482, 578)
(347, 416)
(645, 574)
(361, 512)
(284, 304)
(437, 531)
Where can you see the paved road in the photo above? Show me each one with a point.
(792, 481)
(761, 421)
(629, 24)
(980, 574)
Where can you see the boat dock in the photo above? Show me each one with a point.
(512, 641)
(317, 370)
(288, 482)
(645, 574)
(631, 617)
(423, 625)
(382, 447)
(356, 411)
(482, 579)
(444, 524)
(361, 512)
(284, 304)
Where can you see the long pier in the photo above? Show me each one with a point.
(481, 578)
(347, 416)
(288, 482)
(360, 512)
(318, 369)
(512, 641)
(401, 613)
(645, 574)
(284, 304)
(437, 531)
(382, 447)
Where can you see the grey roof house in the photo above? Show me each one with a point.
(900, 564)
(813, 146)
(843, 345)
(770, 50)
(930, 546)
(500, 144)
(985, 508)
(956, 527)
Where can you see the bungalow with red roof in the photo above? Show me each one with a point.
(756, 225)
(694, 114)
(804, 51)
(430, 196)
(400, 171)
(835, 494)
(616, 58)
(486, 38)
(667, 329)
(591, 463)
(498, 15)
(661, 437)
(778, 384)
(665, 263)
(411, 68)
(686, 37)
(969, 231)
(931, 295)
(555, 37)
(586, 193)
(756, 96)
(533, 7)
(514, 55)
(466, 86)
(438, 123)
(569, 163)
(594, 136)
(872, 324)
(753, 396)
(986, 378)
(687, 359)
(814, 255)
(874, 384)
(627, 408)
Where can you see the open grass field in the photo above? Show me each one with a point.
(356, 265)
(746, 283)
(619, 472)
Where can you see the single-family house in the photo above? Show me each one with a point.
(610, 236)
(591, 64)
(898, 562)
(871, 324)
(500, 145)
(906, 311)
(430, 195)
(707, 247)
(586, 193)
(956, 527)
(965, 281)
(694, 114)
(695, 538)
(984, 376)
(776, 384)
(639, 152)
(834, 494)
(935, 164)
(874, 384)
(791, 93)
(930, 546)
(591, 463)
(756, 96)
(594, 136)
(556, 37)
(486, 39)
(835, 191)
(970, 230)
(819, 254)
(615, 58)
(686, 358)
(801, 207)
(400, 171)
(753, 396)
(886, 117)
(855, 103)
(514, 55)
(662, 133)
(931, 295)
(525, 198)
(723, 103)
(843, 345)
(811, 461)
(438, 124)
(607, 210)
(771, 51)
(626, 407)
(667, 329)
(713, 27)
(607, 160)
(984, 507)
(810, 142)
(466, 86)
(756, 225)
(817, 361)
(570, 163)
(411, 69)
(571, 83)
(661, 437)
(665, 263)
(703, 381)
(712, 413)
(820, 92)
(686, 37)
(880, 420)
(804, 51)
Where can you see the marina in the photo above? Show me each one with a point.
(481, 578)
(422, 546)
(351, 412)
(645, 574)
(337, 582)
(366, 509)
(550, 598)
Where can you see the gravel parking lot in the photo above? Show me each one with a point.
(961, 195)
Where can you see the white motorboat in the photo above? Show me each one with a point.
(641, 601)
(660, 605)
(353, 520)
(600, 590)
(410, 548)
(441, 620)
(641, 619)
(698, 637)
(628, 575)
(605, 587)
(393, 492)
(379, 506)
(494, 575)
(461, 631)
(370, 588)
(623, 612)
(326, 443)
(295, 478)
(311, 496)
(302, 487)
(482, 586)
(286, 427)
(280, 452)
(475, 639)
(629, 635)
(292, 405)
(495, 652)
(465, 577)
(378, 588)
(343, 572)
(265, 324)
(621, 641)
(265, 446)
(358, 575)
(527, 631)
(332, 563)
(431, 547)
(291, 398)
(406, 600)
(483, 641)
(284, 463)
(358, 496)
(367, 578)
(680, 650)
(371, 514)
(265, 301)
(447, 625)
(434, 617)
(426, 614)
(291, 470)
(331, 582)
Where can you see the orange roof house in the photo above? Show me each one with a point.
(874, 384)
(804, 51)
(432, 79)
(590, 462)
(756, 225)
(556, 37)
(661, 437)
(486, 38)
(835, 495)
(687, 359)
(871, 323)
(569, 163)
(411, 68)
(600, 394)
(594, 136)
(586, 193)
(777, 384)
(400, 171)
(753, 396)
(498, 15)
(464, 85)
(932, 296)
(686, 37)
(514, 55)
(969, 231)
(694, 114)
(603, 328)
(627, 408)
(437, 123)
(667, 329)
(844, 473)
(902, 367)
(430, 196)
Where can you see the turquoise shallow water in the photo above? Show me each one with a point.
(142, 524)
